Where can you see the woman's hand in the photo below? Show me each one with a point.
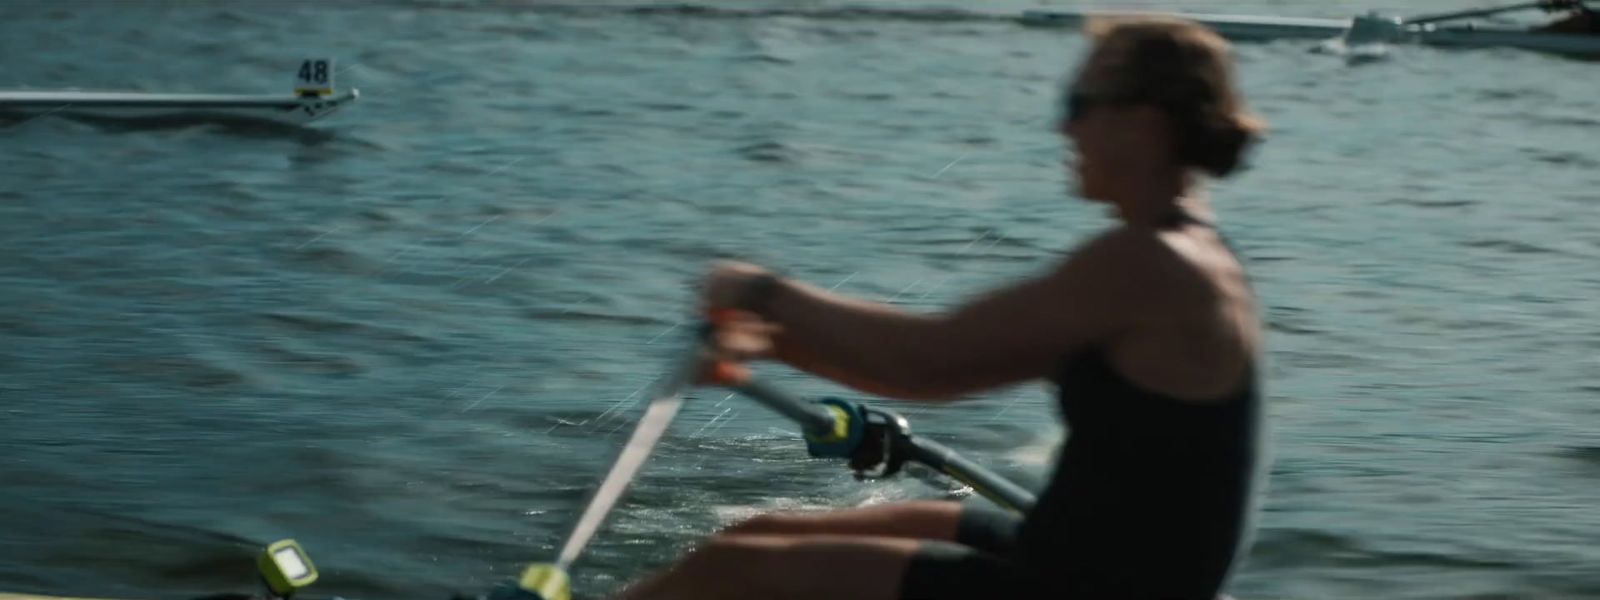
(735, 338)
(737, 335)
(730, 285)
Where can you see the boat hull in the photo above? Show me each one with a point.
(1232, 26)
(1585, 46)
(1243, 27)
(138, 106)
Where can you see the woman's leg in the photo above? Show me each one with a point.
(923, 520)
(778, 567)
(913, 550)
(988, 529)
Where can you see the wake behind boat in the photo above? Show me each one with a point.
(1375, 28)
(313, 99)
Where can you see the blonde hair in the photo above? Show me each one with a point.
(1186, 69)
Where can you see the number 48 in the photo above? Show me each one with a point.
(314, 71)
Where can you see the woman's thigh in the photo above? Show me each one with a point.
(836, 567)
(928, 520)
(990, 530)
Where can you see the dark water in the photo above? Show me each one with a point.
(412, 338)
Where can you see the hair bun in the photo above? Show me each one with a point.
(1217, 143)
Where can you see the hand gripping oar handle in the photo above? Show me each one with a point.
(833, 428)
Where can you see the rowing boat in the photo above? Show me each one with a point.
(1372, 28)
(129, 105)
(313, 98)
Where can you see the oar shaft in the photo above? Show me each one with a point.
(1481, 12)
(983, 481)
(663, 407)
(818, 420)
(656, 419)
(812, 417)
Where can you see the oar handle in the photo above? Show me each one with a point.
(832, 428)
(721, 372)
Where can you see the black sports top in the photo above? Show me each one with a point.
(1152, 497)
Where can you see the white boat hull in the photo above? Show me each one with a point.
(131, 105)
(1244, 27)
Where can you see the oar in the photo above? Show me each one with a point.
(550, 581)
(1484, 12)
(837, 429)
(999, 490)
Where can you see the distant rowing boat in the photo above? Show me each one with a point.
(1367, 29)
(313, 99)
(129, 105)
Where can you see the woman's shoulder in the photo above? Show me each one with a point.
(1183, 265)
(1156, 251)
(1124, 244)
(1122, 274)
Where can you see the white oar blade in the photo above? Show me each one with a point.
(657, 417)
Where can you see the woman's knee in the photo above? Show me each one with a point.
(917, 519)
(735, 555)
(720, 567)
(769, 523)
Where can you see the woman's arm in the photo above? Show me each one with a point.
(1013, 334)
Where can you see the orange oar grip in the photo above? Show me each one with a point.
(723, 372)
(728, 373)
(722, 316)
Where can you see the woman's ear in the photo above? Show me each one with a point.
(1148, 128)
(1142, 124)
(1151, 117)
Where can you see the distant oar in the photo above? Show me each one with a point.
(1484, 12)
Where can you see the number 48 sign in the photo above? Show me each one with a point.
(315, 77)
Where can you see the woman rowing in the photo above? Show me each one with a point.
(1149, 331)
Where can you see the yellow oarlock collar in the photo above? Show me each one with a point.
(546, 581)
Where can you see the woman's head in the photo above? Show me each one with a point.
(1155, 93)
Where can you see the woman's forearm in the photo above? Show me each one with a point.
(870, 346)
